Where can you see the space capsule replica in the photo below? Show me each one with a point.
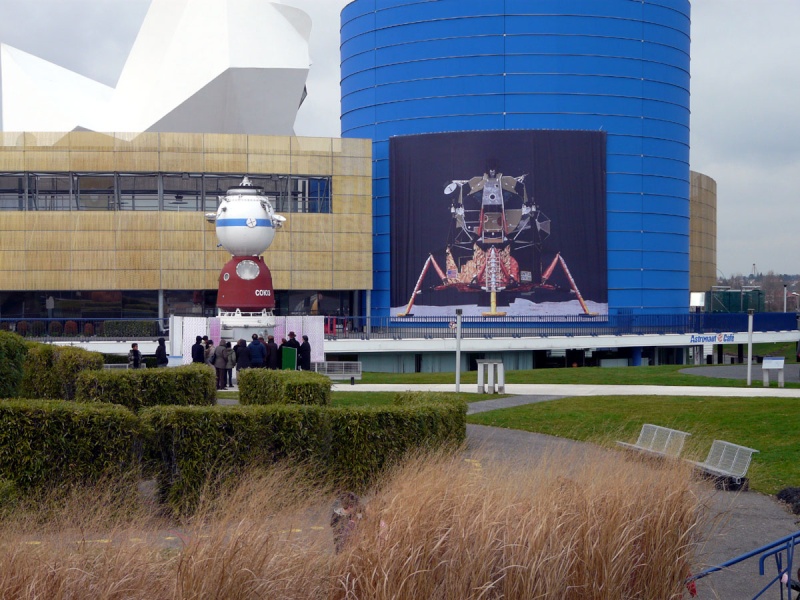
(246, 224)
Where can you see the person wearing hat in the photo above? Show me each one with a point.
(198, 351)
(304, 355)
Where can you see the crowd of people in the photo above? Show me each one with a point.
(260, 353)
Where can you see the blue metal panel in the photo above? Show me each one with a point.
(416, 66)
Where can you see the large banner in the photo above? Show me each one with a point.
(499, 222)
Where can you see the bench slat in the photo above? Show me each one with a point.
(727, 460)
(658, 440)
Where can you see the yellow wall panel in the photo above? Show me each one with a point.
(360, 205)
(181, 162)
(210, 280)
(346, 165)
(101, 241)
(352, 280)
(12, 260)
(139, 280)
(312, 242)
(136, 142)
(94, 280)
(269, 144)
(49, 280)
(49, 241)
(224, 143)
(12, 160)
(88, 260)
(138, 240)
(277, 260)
(182, 260)
(181, 240)
(140, 259)
(13, 221)
(282, 280)
(353, 224)
(46, 140)
(312, 261)
(181, 142)
(352, 261)
(136, 162)
(91, 161)
(46, 160)
(139, 221)
(11, 140)
(310, 165)
(216, 260)
(51, 221)
(225, 163)
(268, 163)
(92, 221)
(352, 147)
(282, 242)
(15, 281)
(310, 223)
(40, 261)
(311, 280)
(184, 221)
(352, 242)
(352, 185)
(90, 140)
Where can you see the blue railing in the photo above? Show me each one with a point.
(781, 551)
(433, 327)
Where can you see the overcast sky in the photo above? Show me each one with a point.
(745, 100)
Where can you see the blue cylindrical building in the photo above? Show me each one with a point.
(619, 66)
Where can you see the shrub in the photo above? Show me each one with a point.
(52, 442)
(197, 445)
(37, 328)
(140, 388)
(264, 386)
(54, 329)
(51, 371)
(88, 330)
(12, 358)
(22, 328)
(70, 329)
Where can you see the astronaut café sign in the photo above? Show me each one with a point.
(712, 338)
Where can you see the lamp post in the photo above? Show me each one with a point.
(750, 312)
(458, 349)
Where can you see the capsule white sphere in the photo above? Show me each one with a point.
(246, 221)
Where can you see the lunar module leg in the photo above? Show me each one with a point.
(546, 275)
(428, 263)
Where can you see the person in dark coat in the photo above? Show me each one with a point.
(162, 359)
(198, 351)
(221, 365)
(292, 342)
(280, 352)
(242, 357)
(266, 350)
(304, 355)
(257, 352)
(273, 356)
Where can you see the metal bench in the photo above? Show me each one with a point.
(658, 441)
(726, 460)
(339, 369)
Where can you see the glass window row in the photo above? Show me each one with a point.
(155, 191)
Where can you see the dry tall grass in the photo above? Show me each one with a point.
(437, 527)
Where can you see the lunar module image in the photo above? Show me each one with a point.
(246, 225)
(494, 218)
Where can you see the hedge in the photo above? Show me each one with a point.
(352, 446)
(139, 388)
(51, 371)
(198, 445)
(51, 442)
(265, 386)
(12, 359)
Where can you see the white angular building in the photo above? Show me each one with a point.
(199, 66)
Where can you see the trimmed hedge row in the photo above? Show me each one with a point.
(265, 386)
(352, 445)
(50, 442)
(139, 388)
(12, 359)
(52, 371)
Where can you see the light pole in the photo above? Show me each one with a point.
(750, 312)
(458, 349)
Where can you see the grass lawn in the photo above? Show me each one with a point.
(372, 398)
(769, 425)
(661, 375)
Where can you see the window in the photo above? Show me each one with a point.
(96, 192)
(138, 192)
